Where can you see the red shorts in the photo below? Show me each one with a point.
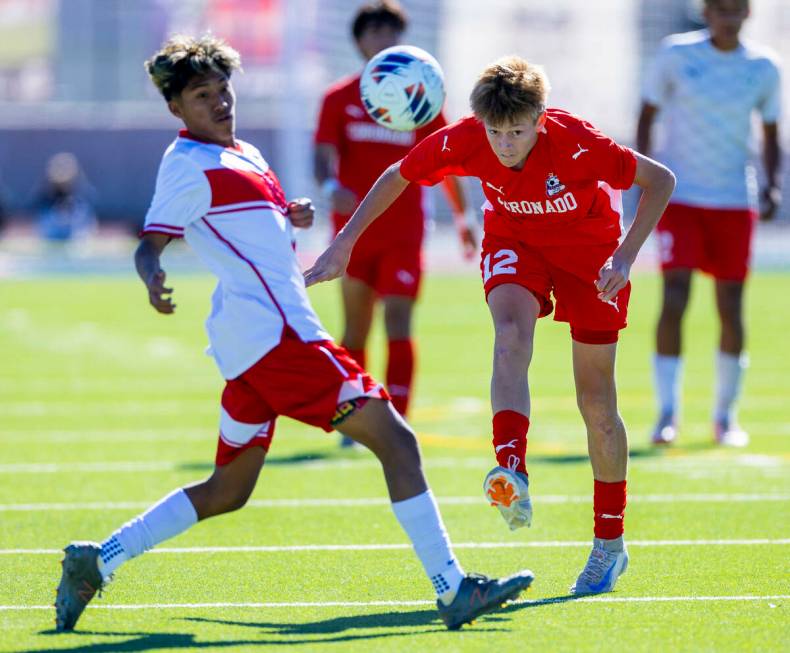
(395, 270)
(307, 381)
(716, 241)
(569, 272)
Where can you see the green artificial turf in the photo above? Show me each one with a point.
(106, 406)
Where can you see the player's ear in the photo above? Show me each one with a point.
(175, 108)
(540, 123)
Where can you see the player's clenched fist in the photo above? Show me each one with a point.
(159, 294)
(301, 212)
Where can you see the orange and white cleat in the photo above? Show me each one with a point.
(508, 490)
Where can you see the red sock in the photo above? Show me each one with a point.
(400, 370)
(358, 355)
(609, 507)
(510, 439)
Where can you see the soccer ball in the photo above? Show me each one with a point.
(402, 88)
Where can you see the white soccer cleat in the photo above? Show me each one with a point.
(607, 562)
(730, 435)
(509, 491)
(665, 431)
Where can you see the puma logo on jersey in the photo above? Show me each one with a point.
(613, 302)
(498, 189)
(579, 153)
(444, 144)
(511, 445)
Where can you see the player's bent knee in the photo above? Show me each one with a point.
(398, 443)
(223, 493)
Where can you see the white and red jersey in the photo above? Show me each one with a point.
(228, 205)
(708, 99)
(567, 193)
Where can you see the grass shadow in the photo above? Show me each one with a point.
(401, 624)
(336, 629)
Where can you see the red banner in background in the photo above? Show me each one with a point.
(254, 27)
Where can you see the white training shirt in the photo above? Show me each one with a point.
(707, 98)
(228, 205)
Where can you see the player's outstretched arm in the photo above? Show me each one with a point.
(657, 183)
(332, 263)
(146, 260)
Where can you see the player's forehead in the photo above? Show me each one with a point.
(207, 79)
(517, 123)
(727, 6)
(380, 28)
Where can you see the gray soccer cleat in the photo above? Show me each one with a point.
(607, 562)
(79, 583)
(479, 595)
(509, 492)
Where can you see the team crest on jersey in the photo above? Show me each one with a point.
(553, 185)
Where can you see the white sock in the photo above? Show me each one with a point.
(729, 378)
(420, 518)
(667, 371)
(171, 516)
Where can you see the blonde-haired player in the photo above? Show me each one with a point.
(552, 228)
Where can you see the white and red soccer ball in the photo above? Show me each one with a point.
(402, 88)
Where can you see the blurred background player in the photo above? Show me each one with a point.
(351, 151)
(221, 196)
(551, 227)
(63, 207)
(705, 85)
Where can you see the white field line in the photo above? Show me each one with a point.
(405, 604)
(296, 548)
(158, 466)
(200, 432)
(672, 462)
(383, 501)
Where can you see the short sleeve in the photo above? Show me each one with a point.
(770, 105)
(437, 123)
(606, 160)
(330, 124)
(657, 83)
(182, 195)
(441, 154)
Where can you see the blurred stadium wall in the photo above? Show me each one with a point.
(71, 74)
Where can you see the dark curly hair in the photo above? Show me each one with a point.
(182, 57)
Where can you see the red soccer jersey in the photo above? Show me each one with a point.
(365, 150)
(566, 193)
